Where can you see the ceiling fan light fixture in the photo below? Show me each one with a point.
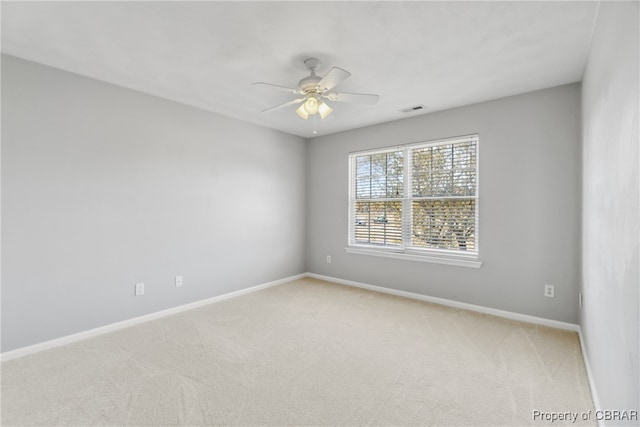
(311, 105)
(302, 112)
(313, 90)
(324, 110)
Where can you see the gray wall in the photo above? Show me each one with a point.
(103, 187)
(611, 207)
(529, 205)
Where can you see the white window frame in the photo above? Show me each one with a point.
(441, 256)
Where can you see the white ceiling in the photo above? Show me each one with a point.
(207, 54)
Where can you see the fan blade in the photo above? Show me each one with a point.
(286, 104)
(334, 77)
(278, 87)
(358, 98)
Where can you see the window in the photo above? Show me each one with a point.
(418, 200)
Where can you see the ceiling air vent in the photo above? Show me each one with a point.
(414, 109)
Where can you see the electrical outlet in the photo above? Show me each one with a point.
(139, 289)
(328, 259)
(178, 281)
(549, 291)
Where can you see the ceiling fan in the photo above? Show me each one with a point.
(316, 90)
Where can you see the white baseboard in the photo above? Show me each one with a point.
(592, 383)
(23, 351)
(455, 304)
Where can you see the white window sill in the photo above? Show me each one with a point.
(461, 262)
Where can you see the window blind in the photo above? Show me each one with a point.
(418, 197)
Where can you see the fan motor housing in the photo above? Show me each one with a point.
(309, 84)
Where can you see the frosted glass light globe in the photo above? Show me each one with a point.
(311, 105)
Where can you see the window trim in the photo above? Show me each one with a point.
(439, 256)
(410, 256)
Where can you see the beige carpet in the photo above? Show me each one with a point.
(305, 353)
